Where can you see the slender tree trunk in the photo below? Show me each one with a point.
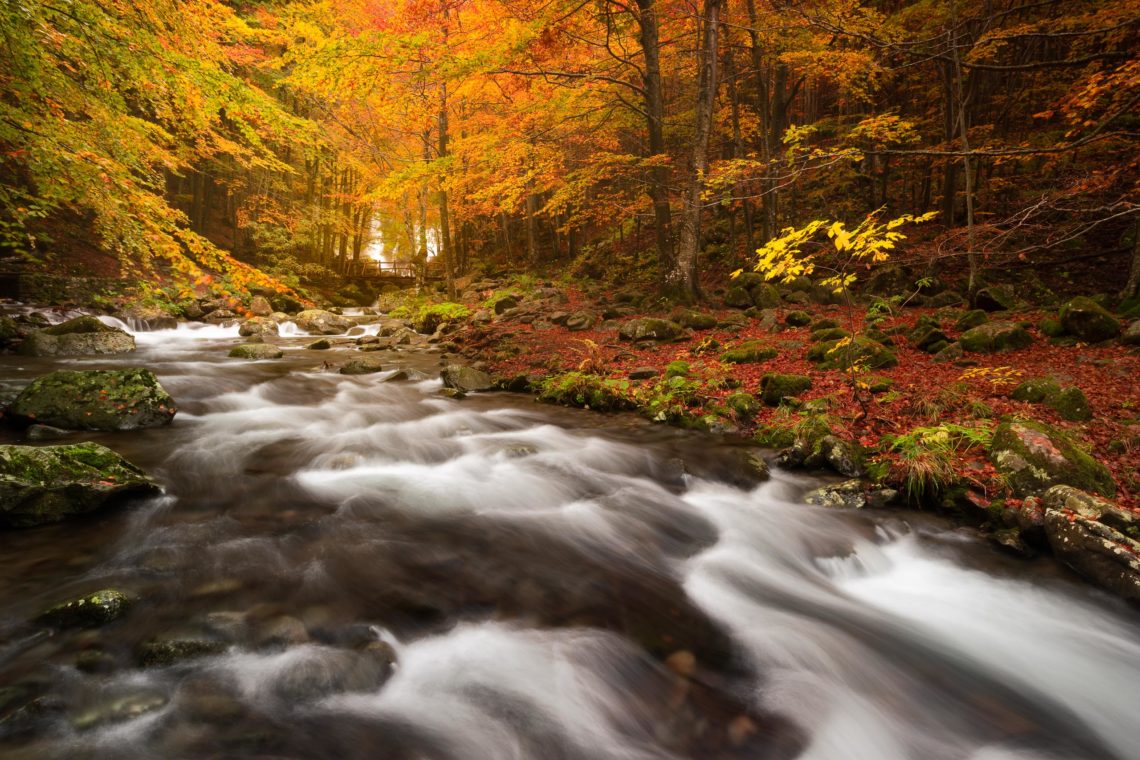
(1132, 287)
(444, 215)
(655, 125)
(967, 168)
(682, 281)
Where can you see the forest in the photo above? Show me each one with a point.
(570, 379)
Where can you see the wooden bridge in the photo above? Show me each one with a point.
(396, 273)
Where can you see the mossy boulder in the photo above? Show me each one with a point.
(321, 322)
(852, 494)
(1094, 537)
(743, 406)
(971, 319)
(95, 400)
(260, 326)
(995, 298)
(159, 653)
(994, 337)
(738, 298)
(466, 379)
(765, 296)
(1070, 403)
(48, 484)
(255, 351)
(1034, 457)
(695, 320)
(1051, 328)
(1131, 336)
(1035, 390)
(775, 387)
(929, 338)
(88, 611)
(1084, 318)
(677, 369)
(858, 351)
(749, 352)
(649, 328)
(829, 333)
(77, 337)
(363, 365)
(797, 319)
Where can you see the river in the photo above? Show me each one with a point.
(392, 574)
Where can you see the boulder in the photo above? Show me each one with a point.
(260, 326)
(259, 306)
(774, 388)
(77, 337)
(255, 351)
(643, 373)
(749, 352)
(852, 494)
(738, 298)
(765, 296)
(1034, 457)
(465, 379)
(1131, 336)
(89, 611)
(125, 399)
(320, 322)
(648, 328)
(579, 321)
(1086, 319)
(1070, 403)
(319, 345)
(816, 447)
(158, 653)
(47, 484)
(1035, 390)
(994, 299)
(364, 365)
(797, 319)
(819, 335)
(1095, 538)
(993, 337)
(695, 320)
(970, 320)
(858, 351)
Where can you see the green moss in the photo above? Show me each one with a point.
(749, 352)
(743, 406)
(429, 318)
(1088, 320)
(90, 611)
(695, 320)
(161, 653)
(78, 325)
(1051, 328)
(775, 388)
(1034, 456)
(797, 318)
(585, 390)
(1035, 390)
(95, 400)
(1070, 404)
(829, 333)
(994, 337)
(860, 351)
(774, 436)
(971, 319)
(677, 369)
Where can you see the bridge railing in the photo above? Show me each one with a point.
(394, 269)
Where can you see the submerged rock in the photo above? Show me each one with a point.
(163, 652)
(1033, 457)
(852, 494)
(364, 365)
(95, 400)
(320, 322)
(466, 379)
(47, 484)
(119, 708)
(90, 611)
(77, 337)
(255, 351)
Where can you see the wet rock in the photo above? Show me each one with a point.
(95, 400)
(47, 484)
(816, 447)
(363, 365)
(754, 467)
(222, 316)
(320, 322)
(255, 351)
(1033, 457)
(259, 306)
(465, 379)
(775, 387)
(165, 652)
(319, 345)
(45, 433)
(119, 708)
(1078, 530)
(89, 611)
(852, 494)
(1087, 320)
(993, 337)
(749, 352)
(452, 393)
(648, 328)
(283, 630)
(261, 326)
(77, 337)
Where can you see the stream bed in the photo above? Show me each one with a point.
(385, 573)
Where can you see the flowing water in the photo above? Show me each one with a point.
(390, 574)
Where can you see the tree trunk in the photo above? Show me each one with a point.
(682, 281)
(444, 216)
(655, 125)
(1132, 287)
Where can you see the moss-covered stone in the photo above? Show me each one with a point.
(677, 369)
(95, 400)
(749, 280)
(255, 351)
(320, 322)
(46, 484)
(89, 611)
(1084, 318)
(829, 333)
(1051, 328)
(815, 446)
(1033, 457)
(649, 328)
(929, 338)
(1035, 390)
(879, 384)
(77, 337)
(695, 320)
(749, 352)
(859, 351)
(797, 318)
(1131, 336)
(765, 296)
(262, 326)
(319, 345)
(971, 319)
(164, 652)
(995, 298)
(1070, 403)
(775, 387)
(994, 337)
(738, 298)
(362, 365)
(743, 405)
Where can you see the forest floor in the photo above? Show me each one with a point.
(973, 391)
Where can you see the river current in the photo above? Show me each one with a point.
(391, 574)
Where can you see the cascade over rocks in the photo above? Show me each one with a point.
(95, 400)
(48, 484)
(77, 337)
